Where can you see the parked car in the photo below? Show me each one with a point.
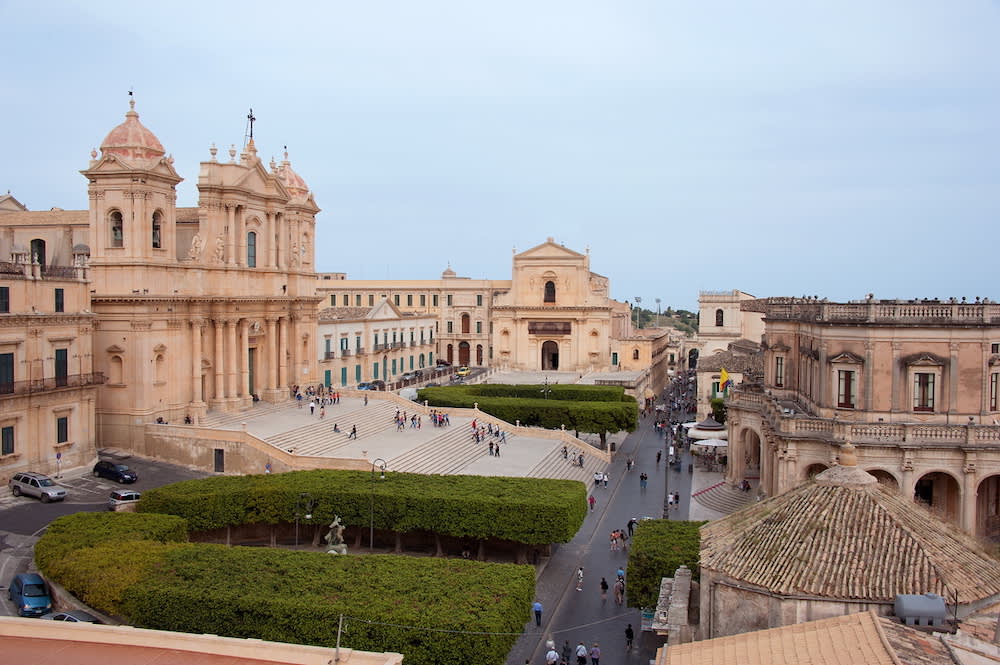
(365, 385)
(464, 371)
(377, 384)
(415, 375)
(37, 485)
(432, 385)
(117, 472)
(30, 595)
(443, 363)
(73, 616)
(122, 498)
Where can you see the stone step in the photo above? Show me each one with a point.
(724, 498)
(447, 453)
(554, 466)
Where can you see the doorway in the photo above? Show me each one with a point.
(252, 370)
(463, 353)
(550, 356)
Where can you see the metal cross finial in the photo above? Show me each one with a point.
(251, 118)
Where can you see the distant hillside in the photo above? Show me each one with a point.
(681, 319)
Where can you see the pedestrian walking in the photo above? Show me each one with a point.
(604, 589)
(631, 525)
(552, 657)
(643, 479)
(581, 654)
(565, 452)
(366, 400)
(629, 636)
(677, 500)
(312, 407)
(598, 477)
(604, 479)
(659, 454)
(567, 653)
(322, 412)
(592, 501)
(354, 432)
(670, 501)
(579, 578)
(619, 591)
(595, 654)
(537, 607)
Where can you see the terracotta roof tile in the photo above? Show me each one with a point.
(848, 542)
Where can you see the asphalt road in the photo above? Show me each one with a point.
(23, 519)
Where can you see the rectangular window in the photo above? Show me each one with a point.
(994, 348)
(376, 340)
(479, 326)
(251, 250)
(60, 300)
(923, 391)
(614, 358)
(375, 370)
(4, 299)
(409, 300)
(343, 343)
(393, 336)
(62, 367)
(333, 300)
(479, 300)
(357, 343)
(347, 300)
(423, 300)
(7, 440)
(371, 300)
(430, 358)
(329, 346)
(357, 373)
(343, 376)
(431, 333)
(394, 367)
(715, 389)
(411, 362)
(62, 429)
(449, 300)
(845, 389)
(385, 338)
(395, 300)
(449, 326)
(779, 372)
(434, 300)
(327, 377)
(357, 300)
(411, 337)
(994, 390)
(6, 373)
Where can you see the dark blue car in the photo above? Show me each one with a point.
(119, 473)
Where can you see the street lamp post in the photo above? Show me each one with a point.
(381, 464)
(304, 507)
(657, 312)
(546, 390)
(637, 301)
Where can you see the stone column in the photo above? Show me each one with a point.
(283, 382)
(823, 378)
(969, 493)
(244, 335)
(196, 329)
(280, 231)
(231, 232)
(869, 371)
(232, 348)
(953, 379)
(220, 388)
(898, 387)
(239, 238)
(906, 482)
(272, 353)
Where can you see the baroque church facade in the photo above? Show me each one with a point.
(180, 309)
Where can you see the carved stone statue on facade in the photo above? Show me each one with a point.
(335, 537)
(220, 249)
(295, 254)
(197, 245)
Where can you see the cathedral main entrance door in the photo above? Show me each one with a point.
(550, 356)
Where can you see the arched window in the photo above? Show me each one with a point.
(116, 373)
(635, 354)
(719, 317)
(38, 252)
(157, 223)
(550, 291)
(252, 249)
(117, 230)
(465, 323)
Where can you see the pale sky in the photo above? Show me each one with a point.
(780, 147)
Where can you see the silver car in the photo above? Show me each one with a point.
(121, 498)
(37, 485)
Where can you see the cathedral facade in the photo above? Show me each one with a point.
(186, 308)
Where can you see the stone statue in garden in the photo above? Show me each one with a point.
(335, 537)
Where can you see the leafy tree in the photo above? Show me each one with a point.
(718, 405)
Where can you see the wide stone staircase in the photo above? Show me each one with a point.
(318, 439)
(449, 452)
(723, 498)
(234, 419)
(554, 466)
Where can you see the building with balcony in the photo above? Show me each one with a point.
(912, 384)
(367, 343)
(48, 386)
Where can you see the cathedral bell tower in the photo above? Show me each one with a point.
(132, 197)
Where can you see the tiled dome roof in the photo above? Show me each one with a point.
(841, 538)
(131, 139)
(294, 183)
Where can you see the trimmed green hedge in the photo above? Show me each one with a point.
(533, 511)
(659, 548)
(297, 597)
(455, 607)
(597, 409)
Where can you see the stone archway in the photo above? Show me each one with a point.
(550, 356)
(479, 354)
(988, 509)
(940, 492)
(885, 479)
(464, 354)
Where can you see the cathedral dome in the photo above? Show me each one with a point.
(131, 139)
(294, 183)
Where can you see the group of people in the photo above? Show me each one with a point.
(581, 652)
(577, 459)
(489, 432)
(439, 418)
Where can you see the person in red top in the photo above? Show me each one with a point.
(592, 501)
